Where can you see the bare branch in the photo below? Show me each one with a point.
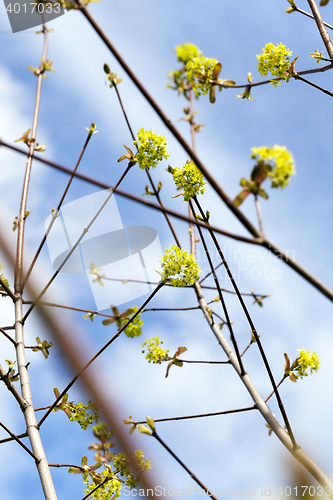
(193, 476)
(321, 27)
(15, 438)
(8, 336)
(29, 414)
(202, 415)
(57, 210)
(11, 387)
(7, 440)
(8, 290)
(311, 17)
(314, 85)
(82, 370)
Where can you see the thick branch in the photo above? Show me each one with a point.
(29, 414)
(321, 27)
(260, 404)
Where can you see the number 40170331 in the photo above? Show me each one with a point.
(32, 7)
(302, 491)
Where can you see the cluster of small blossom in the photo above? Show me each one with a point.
(134, 328)
(151, 149)
(186, 52)
(83, 414)
(123, 465)
(280, 159)
(306, 361)
(190, 179)
(109, 490)
(199, 73)
(179, 266)
(155, 353)
(196, 73)
(276, 60)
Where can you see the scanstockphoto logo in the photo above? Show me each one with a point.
(23, 14)
(122, 253)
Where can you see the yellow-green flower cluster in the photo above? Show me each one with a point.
(134, 328)
(274, 59)
(155, 353)
(199, 73)
(280, 159)
(186, 52)
(306, 361)
(190, 179)
(122, 464)
(83, 414)
(151, 149)
(179, 266)
(109, 490)
(196, 73)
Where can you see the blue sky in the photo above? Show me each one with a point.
(227, 451)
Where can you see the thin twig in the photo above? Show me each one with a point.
(11, 387)
(225, 310)
(278, 385)
(311, 17)
(133, 197)
(7, 440)
(56, 212)
(66, 465)
(210, 272)
(74, 247)
(8, 290)
(70, 308)
(246, 348)
(321, 69)
(146, 170)
(15, 438)
(193, 476)
(97, 487)
(259, 214)
(314, 85)
(8, 336)
(172, 309)
(202, 415)
(205, 362)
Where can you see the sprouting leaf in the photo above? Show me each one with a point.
(92, 130)
(246, 94)
(25, 137)
(15, 223)
(318, 55)
(144, 429)
(42, 346)
(175, 360)
(90, 316)
(151, 423)
(129, 156)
